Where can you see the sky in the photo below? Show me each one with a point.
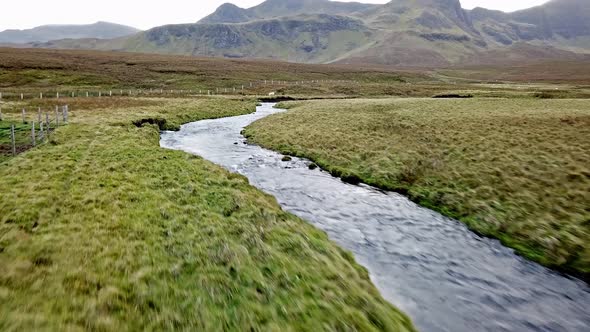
(25, 14)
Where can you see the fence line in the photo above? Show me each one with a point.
(15, 137)
(238, 89)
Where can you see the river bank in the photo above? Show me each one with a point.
(516, 170)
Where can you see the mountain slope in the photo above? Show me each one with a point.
(419, 33)
(422, 33)
(558, 22)
(46, 33)
(562, 18)
(303, 38)
(229, 13)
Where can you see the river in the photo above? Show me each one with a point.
(441, 274)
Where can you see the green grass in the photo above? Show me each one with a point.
(514, 169)
(101, 229)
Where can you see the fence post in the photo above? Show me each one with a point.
(13, 139)
(56, 116)
(47, 126)
(24, 116)
(39, 115)
(22, 96)
(40, 95)
(41, 130)
(99, 94)
(33, 134)
(87, 94)
(57, 95)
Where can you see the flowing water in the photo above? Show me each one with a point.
(432, 267)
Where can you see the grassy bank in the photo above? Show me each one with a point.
(514, 169)
(100, 229)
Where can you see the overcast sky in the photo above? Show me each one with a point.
(142, 14)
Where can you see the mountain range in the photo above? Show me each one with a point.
(45, 33)
(423, 33)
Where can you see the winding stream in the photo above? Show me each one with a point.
(432, 267)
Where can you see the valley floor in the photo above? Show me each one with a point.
(514, 169)
(101, 229)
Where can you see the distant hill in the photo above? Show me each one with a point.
(103, 30)
(422, 33)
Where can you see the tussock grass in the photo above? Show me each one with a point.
(514, 169)
(100, 229)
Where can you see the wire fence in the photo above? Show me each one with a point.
(19, 134)
(244, 89)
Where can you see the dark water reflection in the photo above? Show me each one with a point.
(444, 276)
